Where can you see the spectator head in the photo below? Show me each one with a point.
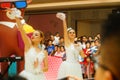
(109, 68)
(90, 38)
(83, 38)
(61, 39)
(92, 43)
(98, 35)
(88, 44)
(62, 48)
(52, 37)
(97, 43)
(50, 42)
(57, 34)
(56, 47)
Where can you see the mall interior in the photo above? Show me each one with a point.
(84, 17)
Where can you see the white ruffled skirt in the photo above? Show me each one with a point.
(32, 76)
(69, 68)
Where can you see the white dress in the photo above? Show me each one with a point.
(71, 66)
(31, 73)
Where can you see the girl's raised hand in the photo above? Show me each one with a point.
(61, 16)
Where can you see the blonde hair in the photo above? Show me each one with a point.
(41, 35)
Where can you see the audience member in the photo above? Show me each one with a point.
(108, 67)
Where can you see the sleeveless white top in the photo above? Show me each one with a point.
(72, 53)
(31, 72)
(30, 57)
(71, 66)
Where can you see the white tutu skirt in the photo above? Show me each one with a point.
(32, 76)
(69, 68)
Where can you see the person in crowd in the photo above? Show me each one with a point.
(34, 55)
(56, 38)
(88, 63)
(79, 39)
(71, 66)
(99, 36)
(52, 37)
(83, 41)
(90, 38)
(96, 49)
(61, 41)
(96, 38)
(108, 66)
(54, 51)
(93, 47)
(60, 51)
(50, 47)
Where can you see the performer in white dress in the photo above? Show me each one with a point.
(71, 66)
(34, 56)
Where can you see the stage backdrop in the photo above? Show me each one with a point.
(48, 23)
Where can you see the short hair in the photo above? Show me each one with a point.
(41, 35)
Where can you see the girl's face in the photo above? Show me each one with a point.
(92, 44)
(90, 38)
(52, 37)
(58, 49)
(71, 34)
(97, 43)
(62, 49)
(61, 40)
(50, 43)
(36, 37)
(88, 45)
(84, 39)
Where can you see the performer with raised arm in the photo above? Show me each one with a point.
(34, 56)
(71, 66)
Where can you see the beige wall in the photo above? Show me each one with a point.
(88, 28)
(88, 22)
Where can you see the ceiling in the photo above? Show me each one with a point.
(47, 5)
(51, 1)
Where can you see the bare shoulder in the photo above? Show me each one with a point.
(27, 48)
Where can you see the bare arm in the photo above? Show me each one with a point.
(45, 61)
(82, 54)
(25, 38)
(62, 17)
